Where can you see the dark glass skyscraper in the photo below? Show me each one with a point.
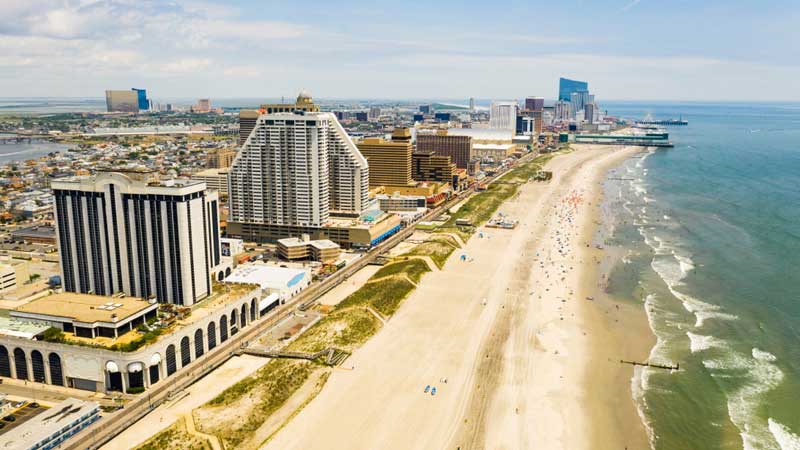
(566, 87)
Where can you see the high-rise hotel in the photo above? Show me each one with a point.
(294, 171)
(130, 232)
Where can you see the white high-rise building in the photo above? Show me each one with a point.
(129, 232)
(503, 115)
(561, 111)
(296, 169)
(578, 101)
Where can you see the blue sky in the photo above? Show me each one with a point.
(625, 49)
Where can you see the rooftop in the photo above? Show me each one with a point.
(266, 276)
(85, 308)
(492, 146)
(324, 244)
(47, 423)
(20, 328)
(212, 172)
(482, 133)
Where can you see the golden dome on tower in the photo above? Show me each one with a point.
(304, 97)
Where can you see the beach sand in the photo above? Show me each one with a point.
(537, 366)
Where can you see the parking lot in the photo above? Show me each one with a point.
(20, 414)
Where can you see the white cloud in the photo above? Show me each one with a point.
(186, 65)
(242, 71)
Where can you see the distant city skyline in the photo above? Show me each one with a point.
(626, 50)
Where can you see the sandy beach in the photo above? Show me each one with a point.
(529, 362)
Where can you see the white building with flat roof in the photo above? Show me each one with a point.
(52, 427)
(503, 115)
(129, 232)
(284, 281)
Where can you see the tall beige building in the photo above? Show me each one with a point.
(220, 158)
(389, 161)
(203, 105)
(440, 142)
(122, 101)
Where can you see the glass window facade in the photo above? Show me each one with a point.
(566, 87)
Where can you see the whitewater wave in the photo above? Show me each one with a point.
(672, 267)
(760, 375)
(699, 342)
(702, 311)
(761, 355)
(638, 389)
(785, 438)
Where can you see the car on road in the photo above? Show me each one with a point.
(9, 418)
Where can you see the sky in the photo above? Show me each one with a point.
(679, 50)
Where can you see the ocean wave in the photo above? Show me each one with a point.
(785, 438)
(702, 311)
(686, 263)
(638, 389)
(761, 355)
(672, 267)
(699, 342)
(759, 375)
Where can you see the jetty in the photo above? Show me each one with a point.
(647, 364)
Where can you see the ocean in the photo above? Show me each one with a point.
(710, 233)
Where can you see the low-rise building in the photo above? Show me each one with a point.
(215, 179)
(50, 428)
(322, 250)
(284, 281)
(398, 202)
(88, 316)
(37, 234)
(179, 338)
(496, 152)
(367, 230)
(8, 278)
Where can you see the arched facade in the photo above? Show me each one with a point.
(212, 335)
(198, 343)
(172, 363)
(37, 367)
(102, 370)
(234, 323)
(56, 370)
(186, 351)
(223, 329)
(5, 362)
(21, 364)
